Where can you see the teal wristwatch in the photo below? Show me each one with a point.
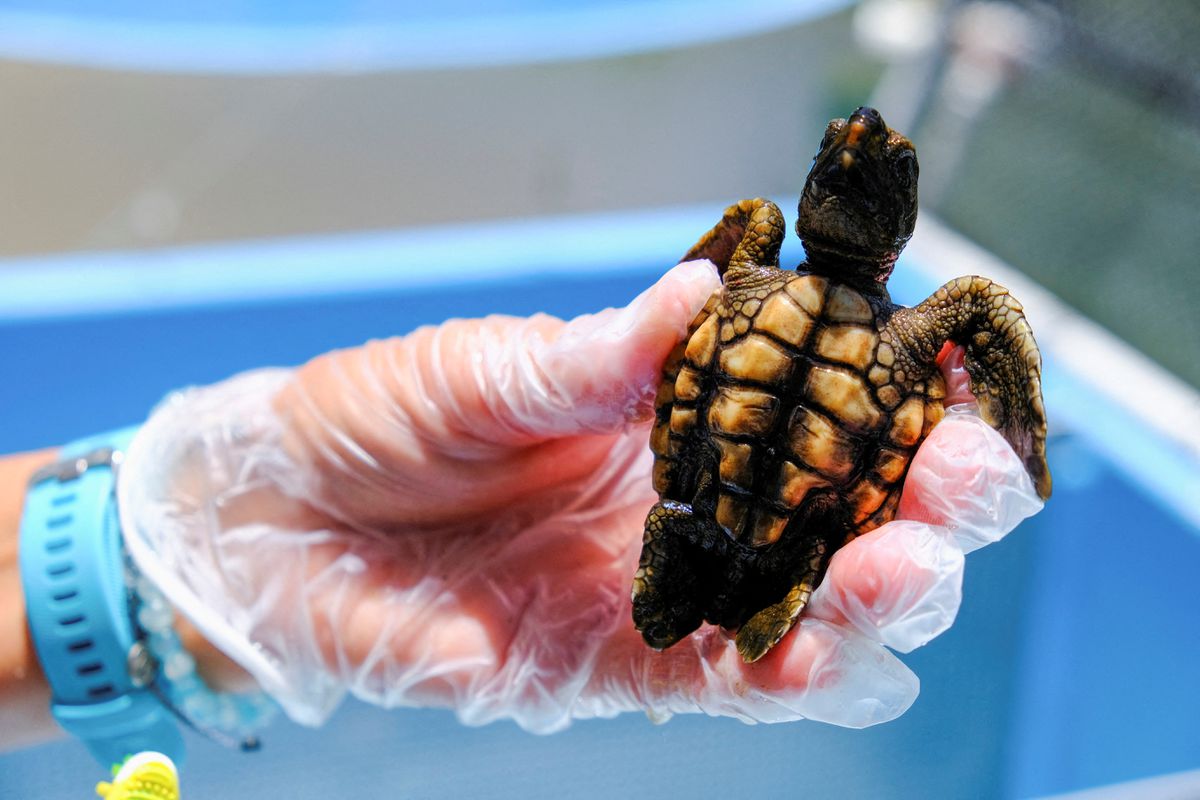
(73, 569)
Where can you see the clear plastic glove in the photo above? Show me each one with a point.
(453, 519)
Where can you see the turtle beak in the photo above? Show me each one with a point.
(856, 131)
(863, 136)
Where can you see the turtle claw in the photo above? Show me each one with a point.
(1039, 471)
(659, 633)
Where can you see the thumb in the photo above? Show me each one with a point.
(819, 671)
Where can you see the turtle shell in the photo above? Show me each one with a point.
(790, 389)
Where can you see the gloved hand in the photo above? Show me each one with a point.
(453, 519)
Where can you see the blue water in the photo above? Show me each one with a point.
(1071, 665)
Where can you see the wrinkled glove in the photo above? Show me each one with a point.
(453, 518)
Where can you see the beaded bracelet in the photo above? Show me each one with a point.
(233, 719)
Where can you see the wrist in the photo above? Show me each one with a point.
(119, 675)
(217, 670)
(24, 693)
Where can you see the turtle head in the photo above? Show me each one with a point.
(859, 204)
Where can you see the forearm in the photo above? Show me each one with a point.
(24, 695)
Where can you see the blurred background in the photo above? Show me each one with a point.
(191, 189)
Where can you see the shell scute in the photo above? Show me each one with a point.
(738, 410)
(756, 358)
(794, 484)
(731, 512)
(907, 422)
(683, 419)
(844, 395)
(782, 317)
(703, 343)
(687, 385)
(820, 443)
(846, 305)
(852, 345)
(767, 527)
(865, 499)
(889, 464)
(809, 293)
(735, 466)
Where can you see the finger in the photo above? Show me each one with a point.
(430, 415)
(593, 374)
(366, 620)
(385, 436)
(900, 585)
(952, 361)
(967, 479)
(491, 626)
(504, 380)
(817, 672)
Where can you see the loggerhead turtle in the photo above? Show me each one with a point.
(786, 420)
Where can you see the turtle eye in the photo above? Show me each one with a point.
(830, 131)
(905, 165)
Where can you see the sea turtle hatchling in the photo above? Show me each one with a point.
(786, 420)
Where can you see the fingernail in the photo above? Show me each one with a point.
(699, 271)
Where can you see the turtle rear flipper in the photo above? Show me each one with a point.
(764, 630)
(1002, 359)
(675, 574)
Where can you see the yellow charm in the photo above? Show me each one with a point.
(145, 776)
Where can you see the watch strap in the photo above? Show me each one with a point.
(74, 576)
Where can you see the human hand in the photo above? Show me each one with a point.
(453, 519)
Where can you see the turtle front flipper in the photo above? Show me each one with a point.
(1002, 359)
(749, 235)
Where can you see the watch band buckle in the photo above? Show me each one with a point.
(70, 469)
